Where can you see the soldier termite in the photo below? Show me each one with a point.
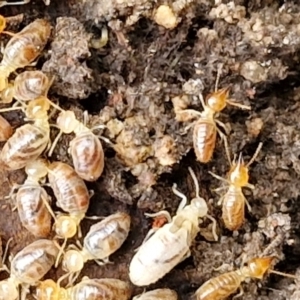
(6, 130)
(102, 240)
(28, 267)
(86, 289)
(31, 200)
(170, 244)
(222, 286)
(233, 202)
(28, 85)
(23, 48)
(205, 128)
(30, 140)
(159, 294)
(85, 149)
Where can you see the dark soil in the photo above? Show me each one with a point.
(129, 85)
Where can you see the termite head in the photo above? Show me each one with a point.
(239, 173)
(7, 94)
(257, 267)
(36, 169)
(73, 261)
(67, 121)
(200, 205)
(2, 23)
(38, 108)
(217, 100)
(49, 290)
(8, 289)
(65, 227)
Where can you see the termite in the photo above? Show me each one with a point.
(30, 140)
(23, 48)
(86, 289)
(158, 294)
(222, 286)
(28, 85)
(72, 197)
(170, 244)
(233, 202)
(6, 130)
(31, 199)
(103, 239)
(85, 149)
(205, 128)
(28, 267)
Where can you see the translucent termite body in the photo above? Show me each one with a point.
(28, 85)
(169, 244)
(28, 267)
(23, 48)
(159, 294)
(103, 239)
(30, 140)
(72, 197)
(87, 289)
(85, 149)
(31, 201)
(233, 202)
(222, 286)
(6, 130)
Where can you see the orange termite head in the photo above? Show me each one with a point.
(217, 100)
(2, 23)
(239, 172)
(37, 108)
(257, 267)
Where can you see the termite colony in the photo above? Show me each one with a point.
(169, 240)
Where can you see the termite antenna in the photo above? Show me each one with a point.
(284, 274)
(255, 154)
(193, 175)
(227, 151)
(220, 67)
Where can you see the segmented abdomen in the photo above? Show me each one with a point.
(88, 157)
(107, 236)
(69, 189)
(32, 210)
(220, 287)
(233, 209)
(96, 289)
(34, 261)
(204, 138)
(25, 145)
(24, 47)
(30, 85)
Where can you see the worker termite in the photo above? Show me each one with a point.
(28, 267)
(86, 289)
(72, 197)
(85, 149)
(31, 200)
(30, 140)
(28, 85)
(23, 48)
(205, 128)
(170, 244)
(233, 202)
(222, 286)
(158, 294)
(6, 130)
(103, 239)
